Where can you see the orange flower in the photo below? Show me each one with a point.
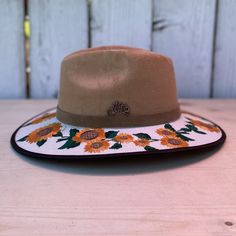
(141, 142)
(96, 146)
(86, 135)
(165, 132)
(173, 142)
(123, 138)
(44, 117)
(205, 126)
(43, 133)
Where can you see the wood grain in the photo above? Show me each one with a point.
(121, 22)
(188, 194)
(183, 30)
(12, 74)
(225, 54)
(58, 28)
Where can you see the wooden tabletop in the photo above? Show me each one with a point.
(185, 194)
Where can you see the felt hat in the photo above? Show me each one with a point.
(115, 101)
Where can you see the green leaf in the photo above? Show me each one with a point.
(111, 134)
(22, 139)
(183, 137)
(168, 126)
(116, 146)
(69, 144)
(61, 139)
(191, 127)
(41, 142)
(59, 134)
(73, 132)
(149, 148)
(143, 136)
(195, 129)
(178, 134)
(182, 132)
(185, 130)
(199, 132)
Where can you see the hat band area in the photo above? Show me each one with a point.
(119, 120)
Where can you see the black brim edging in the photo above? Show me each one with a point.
(115, 155)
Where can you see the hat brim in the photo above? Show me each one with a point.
(44, 136)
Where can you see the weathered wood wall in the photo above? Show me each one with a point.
(58, 27)
(184, 31)
(12, 60)
(121, 22)
(224, 79)
(199, 35)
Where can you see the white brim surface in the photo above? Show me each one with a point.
(45, 136)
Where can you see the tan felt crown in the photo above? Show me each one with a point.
(117, 87)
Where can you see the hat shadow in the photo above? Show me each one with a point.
(124, 166)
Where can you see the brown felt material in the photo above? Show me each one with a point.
(93, 79)
(117, 121)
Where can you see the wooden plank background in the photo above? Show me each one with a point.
(58, 27)
(225, 51)
(198, 35)
(183, 30)
(12, 60)
(121, 22)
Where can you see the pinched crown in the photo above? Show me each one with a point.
(117, 86)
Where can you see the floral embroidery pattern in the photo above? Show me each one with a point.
(40, 135)
(204, 126)
(89, 134)
(123, 138)
(96, 146)
(42, 118)
(98, 140)
(172, 138)
(173, 142)
(141, 142)
(165, 132)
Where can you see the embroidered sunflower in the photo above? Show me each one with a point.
(43, 133)
(173, 142)
(44, 117)
(141, 142)
(205, 126)
(165, 132)
(96, 146)
(86, 135)
(123, 138)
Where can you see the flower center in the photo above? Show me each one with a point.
(174, 141)
(90, 134)
(96, 145)
(45, 131)
(124, 137)
(166, 132)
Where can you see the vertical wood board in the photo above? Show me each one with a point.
(183, 30)
(12, 62)
(58, 27)
(225, 54)
(121, 22)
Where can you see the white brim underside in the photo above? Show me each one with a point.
(186, 132)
